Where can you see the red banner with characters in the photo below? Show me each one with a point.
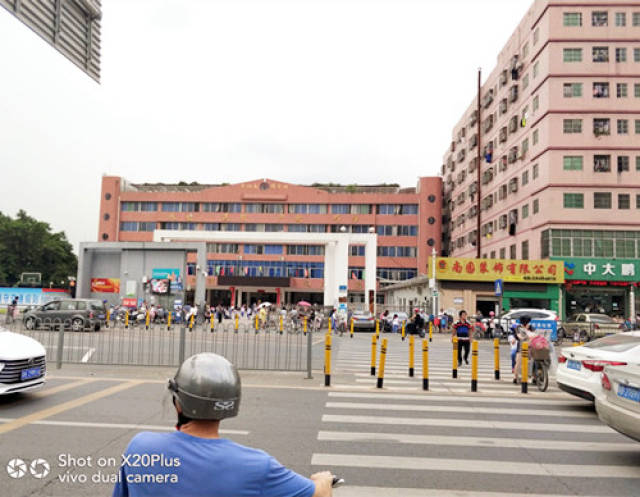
(105, 285)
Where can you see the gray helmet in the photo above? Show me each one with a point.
(207, 386)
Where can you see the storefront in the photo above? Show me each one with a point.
(607, 286)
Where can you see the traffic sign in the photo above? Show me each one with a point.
(498, 287)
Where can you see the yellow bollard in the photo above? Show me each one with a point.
(454, 373)
(257, 325)
(329, 324)
(383, 355)
(304, 325)
(374, 343)
(281, 325)
(212, 322)
(169, 321)
(191, 320)
(126, 319)
(327, 360)
(377, 327)
(430, 332)
(146, 321)
(525, 367)
(496, 358)
(425, 365)
(351, 328)
(412, 345)
(108, 318)
(474, 366)
(236, 323)
(403, 330)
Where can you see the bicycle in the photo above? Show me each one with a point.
(540, 368)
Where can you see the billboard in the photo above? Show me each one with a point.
(508, 270)
(105, 285)
(31, 296)
(72, 27)
(171, 274)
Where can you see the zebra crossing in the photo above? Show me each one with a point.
(403, 442)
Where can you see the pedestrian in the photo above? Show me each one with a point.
(193, 460)
(395, 324)
(462, 329)
(513, 344)
(522, 332)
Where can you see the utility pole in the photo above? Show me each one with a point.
(479, 160)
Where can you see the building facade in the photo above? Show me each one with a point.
(559, 122)
(406, 220)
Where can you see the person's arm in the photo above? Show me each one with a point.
(323, 483)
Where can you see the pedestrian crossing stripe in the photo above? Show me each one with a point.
(358, 491)
(426, 397)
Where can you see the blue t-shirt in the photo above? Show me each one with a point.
(177, 464)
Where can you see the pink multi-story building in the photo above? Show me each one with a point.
(559, 168)
(407, 221)
(560, 149)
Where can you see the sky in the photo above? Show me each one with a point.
(302, 91)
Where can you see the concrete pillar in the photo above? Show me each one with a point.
(201, 278)
(632, 304)
(329, 274)
(370, 268)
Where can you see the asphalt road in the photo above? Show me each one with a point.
(391, 442)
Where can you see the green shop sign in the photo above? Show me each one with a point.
(596, 269)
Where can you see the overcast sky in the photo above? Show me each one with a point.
(350, 91)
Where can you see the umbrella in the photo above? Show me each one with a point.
(265, 304)
(304, 303)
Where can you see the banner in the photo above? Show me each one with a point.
(171, 274)
(509, 270)
(599, 269)
(105, 285)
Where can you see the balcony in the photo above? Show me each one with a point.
(513, 154)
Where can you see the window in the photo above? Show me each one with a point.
(572, 126)
(298, 209)
(621, 19)
(129, 206)
(230, 227)
(636, 90)
(525, 250)
(572, 90)
(536, 69)
(570, 19)
(170, 226)
(601, 163)
(357, 250)
(317, 208)
(602, 200)
(624, 201)
(573, 201)
(146, 226)
(273, 228)
(599, 18)
(600, 90)
(623, 163)
(637, 126)
(384, 230)
(129, 226)
(535, 171)
(340, 208)
(536, 136)
(636, 18)
(525, 211)
(621, 54)
(638, 201)
(636, 54)
(536, 35)
(525, 178)
(600, 54)
(525, 81)
(601, 126)
(536, 206)
(623, 126)
(148, 206)
(512, 251)
(218, 207)
(572, 55)
(188, 207)
(525, 50)
(503, 253)
(407, 230)
(170, 206)
(638, 163)
(361, 209)
(621, 90)
(264, 208)
(572, 163)
(536, 103)
(211, 226)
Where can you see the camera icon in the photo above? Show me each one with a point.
(17, 468)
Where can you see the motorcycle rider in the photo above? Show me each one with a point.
(197, 462)
(522, 332)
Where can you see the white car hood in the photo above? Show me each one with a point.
(14, 346)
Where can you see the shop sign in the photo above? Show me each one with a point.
(602, 270)
(507, 270)
(105, 285)
(171, 274)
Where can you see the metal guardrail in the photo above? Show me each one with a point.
(271, 347)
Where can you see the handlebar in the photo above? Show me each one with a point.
(337, 482)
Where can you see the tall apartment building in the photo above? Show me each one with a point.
(559, 174)
(407, 221)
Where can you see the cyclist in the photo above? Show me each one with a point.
(194, 461)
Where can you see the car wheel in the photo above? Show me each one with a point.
(30, 324)
(77, 324)
(96, 327)
(584, 336)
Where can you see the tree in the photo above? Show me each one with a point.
(29, 245)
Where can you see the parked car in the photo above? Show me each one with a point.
(503, 322)
(619, 404)
(74, 314)
(22, 363)
(587, 326)
(363, 320)
(579, 368)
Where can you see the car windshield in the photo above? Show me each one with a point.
(615, 343)
(96, 305)
(601, 319)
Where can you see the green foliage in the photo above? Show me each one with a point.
(28, 245)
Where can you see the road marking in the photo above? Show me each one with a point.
(476, 423)
(483, 466)
(61, 388)
(460, 409)
(65, 406)
(426, 397)
(505, 443)
(435, 381)
(120, 426)
(87, 356)
(351, 491)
